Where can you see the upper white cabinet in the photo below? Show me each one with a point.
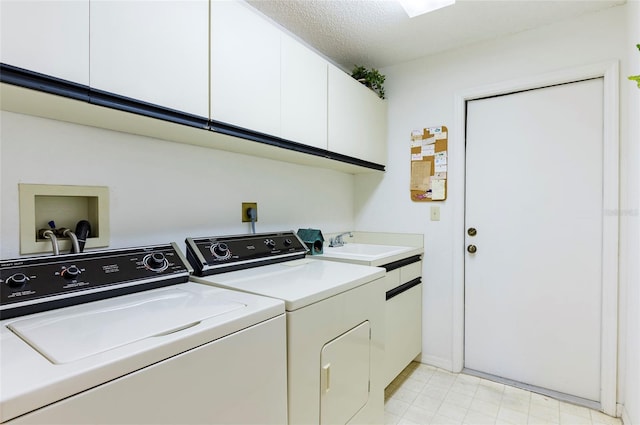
(154, 51)
(304, 94)
(50, 37)
(245, 68)
(357, 120)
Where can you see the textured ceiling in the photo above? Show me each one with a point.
(377, 33)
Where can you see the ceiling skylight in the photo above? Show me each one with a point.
(420, 7)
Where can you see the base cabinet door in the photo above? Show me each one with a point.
(49, 37)
(344, 375)
(357, 120)
(153, 51)
(403, 314)
(403, 331)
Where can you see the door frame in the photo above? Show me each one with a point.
(610, 220)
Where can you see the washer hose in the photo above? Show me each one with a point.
(83, 230)
(48, 234)
(75, 247)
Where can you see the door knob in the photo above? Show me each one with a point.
(472, 231)
(472, 249)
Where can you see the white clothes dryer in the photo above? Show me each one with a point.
(334, 311)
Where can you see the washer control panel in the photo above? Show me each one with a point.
(217, 254)
(30, 285)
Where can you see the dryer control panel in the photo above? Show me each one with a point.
(218, 254)
(31, 285)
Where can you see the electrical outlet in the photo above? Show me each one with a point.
(245, 208)
(435, 213)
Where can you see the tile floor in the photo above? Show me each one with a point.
(426, 395)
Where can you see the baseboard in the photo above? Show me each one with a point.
(624, 415)
(438, 362)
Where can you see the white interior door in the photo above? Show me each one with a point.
(534, 190)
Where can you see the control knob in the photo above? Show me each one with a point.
(155, 261)
(220, 250)
(17, 280)
(70, 272)
(287, 242)
(270, 243)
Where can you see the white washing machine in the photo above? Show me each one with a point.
(178, 353)
(334, 311)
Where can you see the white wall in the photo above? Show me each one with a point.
(162, 191)
(630, 234)
(421, 94)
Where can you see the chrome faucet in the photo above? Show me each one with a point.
(337, 241)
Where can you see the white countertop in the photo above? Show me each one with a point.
(368, 254)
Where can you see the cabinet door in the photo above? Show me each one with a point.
(50, 37)
(403, 331)
(304, 94)
(344, 382)
(357, 121)
(245, 68)
(154, 51)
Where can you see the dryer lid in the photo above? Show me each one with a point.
(74, 333)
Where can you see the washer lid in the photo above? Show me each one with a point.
(70, 335)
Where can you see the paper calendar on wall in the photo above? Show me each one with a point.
(429, 162)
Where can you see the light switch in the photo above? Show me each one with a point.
(435, 213)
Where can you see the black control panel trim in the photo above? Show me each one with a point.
(35, 284)
(82, 298)
(45, 83)
(401, 263)
(403, 288)
(238, 256)
(137, 283)
(210, 270)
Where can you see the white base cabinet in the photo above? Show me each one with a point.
(49, 37)
(154, 51)
(403, 321)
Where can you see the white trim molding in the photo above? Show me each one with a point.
(611, 217)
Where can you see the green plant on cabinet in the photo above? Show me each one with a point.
(370, 78)
(636, 78)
